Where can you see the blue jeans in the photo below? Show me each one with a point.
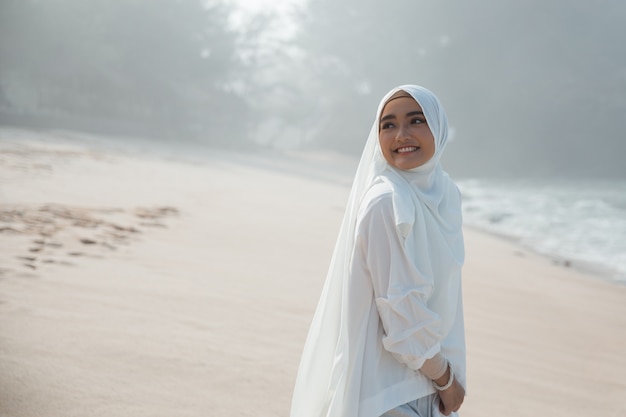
(422, 407)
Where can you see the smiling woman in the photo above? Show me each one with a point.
(387, 338)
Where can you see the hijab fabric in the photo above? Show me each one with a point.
(329, 377)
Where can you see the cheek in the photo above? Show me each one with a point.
(428, 139)
(384, 146)
(381, 142)
(384, 140)
(431, 148)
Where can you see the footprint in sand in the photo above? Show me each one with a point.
(105, 228)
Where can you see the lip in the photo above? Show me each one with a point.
(407, 149)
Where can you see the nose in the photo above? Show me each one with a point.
(403, 133)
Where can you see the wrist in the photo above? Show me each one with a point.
(445, 381)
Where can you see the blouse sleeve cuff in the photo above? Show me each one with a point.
(435, 367)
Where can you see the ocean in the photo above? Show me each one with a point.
(577, 223)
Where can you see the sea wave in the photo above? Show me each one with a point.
(579, 222)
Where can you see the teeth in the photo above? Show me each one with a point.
(407, 149)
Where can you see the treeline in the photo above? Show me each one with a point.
(534, 88)
(155, 67)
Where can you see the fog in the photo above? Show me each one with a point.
(533, 88)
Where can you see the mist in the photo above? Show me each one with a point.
(532, 89)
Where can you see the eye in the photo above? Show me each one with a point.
(417, 120)
(386, 125)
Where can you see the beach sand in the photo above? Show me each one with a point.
(136, 282)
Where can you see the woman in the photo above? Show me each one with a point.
(387, 338)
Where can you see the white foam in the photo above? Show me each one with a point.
(583, 223)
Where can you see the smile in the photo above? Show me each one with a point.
(406, 149)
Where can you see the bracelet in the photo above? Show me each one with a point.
(448, 384)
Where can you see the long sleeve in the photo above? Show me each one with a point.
(401, 290)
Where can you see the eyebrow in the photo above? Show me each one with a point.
(409, 114)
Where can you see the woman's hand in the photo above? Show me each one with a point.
(451, 398)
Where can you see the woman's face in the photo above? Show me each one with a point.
(405, 138)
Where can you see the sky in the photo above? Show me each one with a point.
(281, 8)
(256, 6)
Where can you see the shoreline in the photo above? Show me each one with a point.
(594, 270)
(322, 166)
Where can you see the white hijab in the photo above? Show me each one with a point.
(326, 353)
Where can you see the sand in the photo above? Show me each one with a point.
(143, 282)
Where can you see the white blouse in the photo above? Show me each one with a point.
(389, 309)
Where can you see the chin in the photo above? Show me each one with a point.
(406, 165)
